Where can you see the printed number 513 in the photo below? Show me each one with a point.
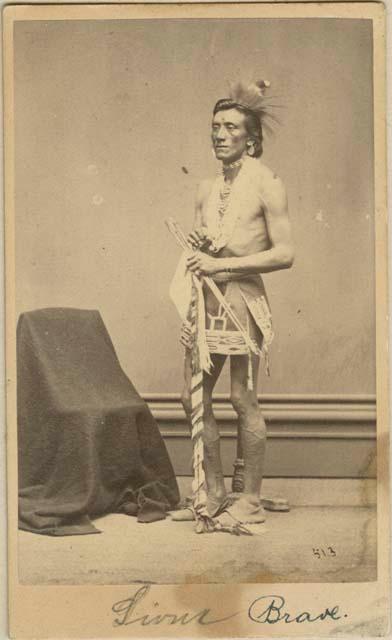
(320, 552)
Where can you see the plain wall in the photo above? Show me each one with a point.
(112, 136)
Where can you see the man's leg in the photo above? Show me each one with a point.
(252, 432)
(212, 456)
(212, 460)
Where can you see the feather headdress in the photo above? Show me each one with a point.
(251, 96)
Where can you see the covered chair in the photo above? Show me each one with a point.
(87, 442)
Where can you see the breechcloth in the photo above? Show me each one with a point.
(246, 296)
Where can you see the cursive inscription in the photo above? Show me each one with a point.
(126, 610)
(271, 609)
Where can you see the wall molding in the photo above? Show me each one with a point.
(287, 416)
(309, 435)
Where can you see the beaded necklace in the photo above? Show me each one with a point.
(226, 201)
(225, 192)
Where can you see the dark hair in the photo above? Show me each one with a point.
(252, 122)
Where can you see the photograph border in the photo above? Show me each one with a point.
(87, 611)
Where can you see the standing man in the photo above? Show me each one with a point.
(241, 231)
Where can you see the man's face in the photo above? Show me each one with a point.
(229, 135)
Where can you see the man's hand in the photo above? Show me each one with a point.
(201, 264)
(186, 338)
(198, 238)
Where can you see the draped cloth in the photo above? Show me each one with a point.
(88, 444)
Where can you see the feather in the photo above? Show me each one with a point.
(252, 96)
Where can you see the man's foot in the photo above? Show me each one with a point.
(275, 504)
(183, 515)
(214, 504)
(245, 510)
(269, 504)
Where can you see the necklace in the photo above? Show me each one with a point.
(232, 165)
(225, 202)
(224, 196)
(225, 191)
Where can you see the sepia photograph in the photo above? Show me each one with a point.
(196, 319)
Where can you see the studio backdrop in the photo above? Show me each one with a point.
(113, 136)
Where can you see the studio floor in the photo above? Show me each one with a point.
(329, 535)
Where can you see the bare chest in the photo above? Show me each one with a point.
(250, 211)
(236, 223)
